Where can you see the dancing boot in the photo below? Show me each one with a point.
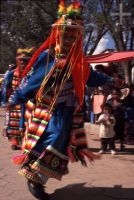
(37, 190)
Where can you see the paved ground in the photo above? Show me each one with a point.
(111, 178)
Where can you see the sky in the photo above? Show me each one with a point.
(105, 43)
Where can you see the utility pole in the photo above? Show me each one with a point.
(121, 15)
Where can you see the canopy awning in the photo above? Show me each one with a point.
(110, 57)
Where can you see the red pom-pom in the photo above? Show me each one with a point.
(19, 159)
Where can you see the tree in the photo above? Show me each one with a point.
(95, 26)
(28, 22)
(122, 33)
(24, 24)
(101, 21)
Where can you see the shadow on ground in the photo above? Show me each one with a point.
(83, 192)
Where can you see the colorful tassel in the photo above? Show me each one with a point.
(71, 154)
(20, 159)
(14, 142)
(90, 155)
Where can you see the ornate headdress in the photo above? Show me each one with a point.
(25, 53)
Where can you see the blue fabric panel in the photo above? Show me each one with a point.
(98, 79)
(58, 130)
(22, 119)
(31, 83)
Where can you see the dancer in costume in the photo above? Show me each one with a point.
(14, 120)
(56, 75)
(6, 88)
(1, 82)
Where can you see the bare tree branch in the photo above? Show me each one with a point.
(44, 9)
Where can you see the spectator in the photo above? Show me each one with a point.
(98, 101)
(129, 100)
(100, 68)
(132, 75)
(129, 117)
(119, 113)
(1, 80)
(92, 114)
(6, 88)
(107, 133)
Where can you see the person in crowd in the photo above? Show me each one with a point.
(129, 116)
(129, 97)
(100, 68)
(55, 78)
(119, 113)
(1, 81)
(98, 100)
(107, 132)
(110, 71)
(6, 88)
(14, 118)
(132, 74)
(93, 93)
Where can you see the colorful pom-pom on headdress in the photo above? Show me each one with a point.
(62, 8)
(72, 10)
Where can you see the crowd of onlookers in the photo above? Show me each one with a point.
(120, 98)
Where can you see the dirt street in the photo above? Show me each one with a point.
(110, 178)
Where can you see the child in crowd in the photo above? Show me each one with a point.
(107, 133)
